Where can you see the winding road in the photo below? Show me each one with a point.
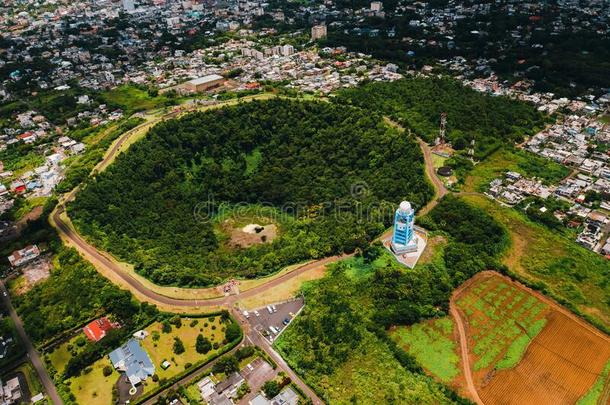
(108, 267)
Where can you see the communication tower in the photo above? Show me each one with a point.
(442, 130)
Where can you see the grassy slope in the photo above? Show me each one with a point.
(132, 99)
(432, 345)
(568, 270)
(94, 388)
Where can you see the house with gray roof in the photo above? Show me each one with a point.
(134, 361)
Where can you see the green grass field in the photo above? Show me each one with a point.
(567, 270)
(93, 388)
(502, 322)
(517, 160)
(162, 349)
(132, 99)
(432, 345)
(373, 376)
(358, 269)
(60, 356)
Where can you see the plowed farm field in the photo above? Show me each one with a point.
(525, 349)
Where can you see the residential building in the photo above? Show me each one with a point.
(318, 32)
(286, 397)
(10, 392)
(22, 256)
(97, 329)
(134, 361)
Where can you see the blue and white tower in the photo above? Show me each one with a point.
(404, 239)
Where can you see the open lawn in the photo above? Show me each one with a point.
(93, 388)
(284, 291)
(132, 99)
(433, 346)
(569, 271)
(60, 356)
(162, 349)
(520, 161)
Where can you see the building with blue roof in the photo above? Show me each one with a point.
(134, 361)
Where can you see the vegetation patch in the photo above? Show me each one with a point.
(161, 346)
(156, 205)
(433, 346)
(554, 263)
(93, 387)
(339, 343)
(503, 321)
(417, 103)
(512, 159)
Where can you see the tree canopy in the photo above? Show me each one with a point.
(333, 170)
(417, 103)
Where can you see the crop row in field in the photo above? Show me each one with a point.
(502, 321)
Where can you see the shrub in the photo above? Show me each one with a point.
(178, 346)
(107, 371)
(202, 345)
(166, 327)
(227, 365)
(244, 352)
(176, 321)
(271, 388)
(233, 332)
(80, 341)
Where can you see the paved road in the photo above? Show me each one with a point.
(439, 186)
(111, 267)
(46, 380)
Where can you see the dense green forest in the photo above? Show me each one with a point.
(74, 294)
(336, 341)
(417, 103)
(338, 171)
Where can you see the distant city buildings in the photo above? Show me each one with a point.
(128, 5)
(318, 32)
(204, 83)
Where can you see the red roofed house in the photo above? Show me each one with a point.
(27, 254)
(18, 187)
(97, 329)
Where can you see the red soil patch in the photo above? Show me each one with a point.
(560, 366)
